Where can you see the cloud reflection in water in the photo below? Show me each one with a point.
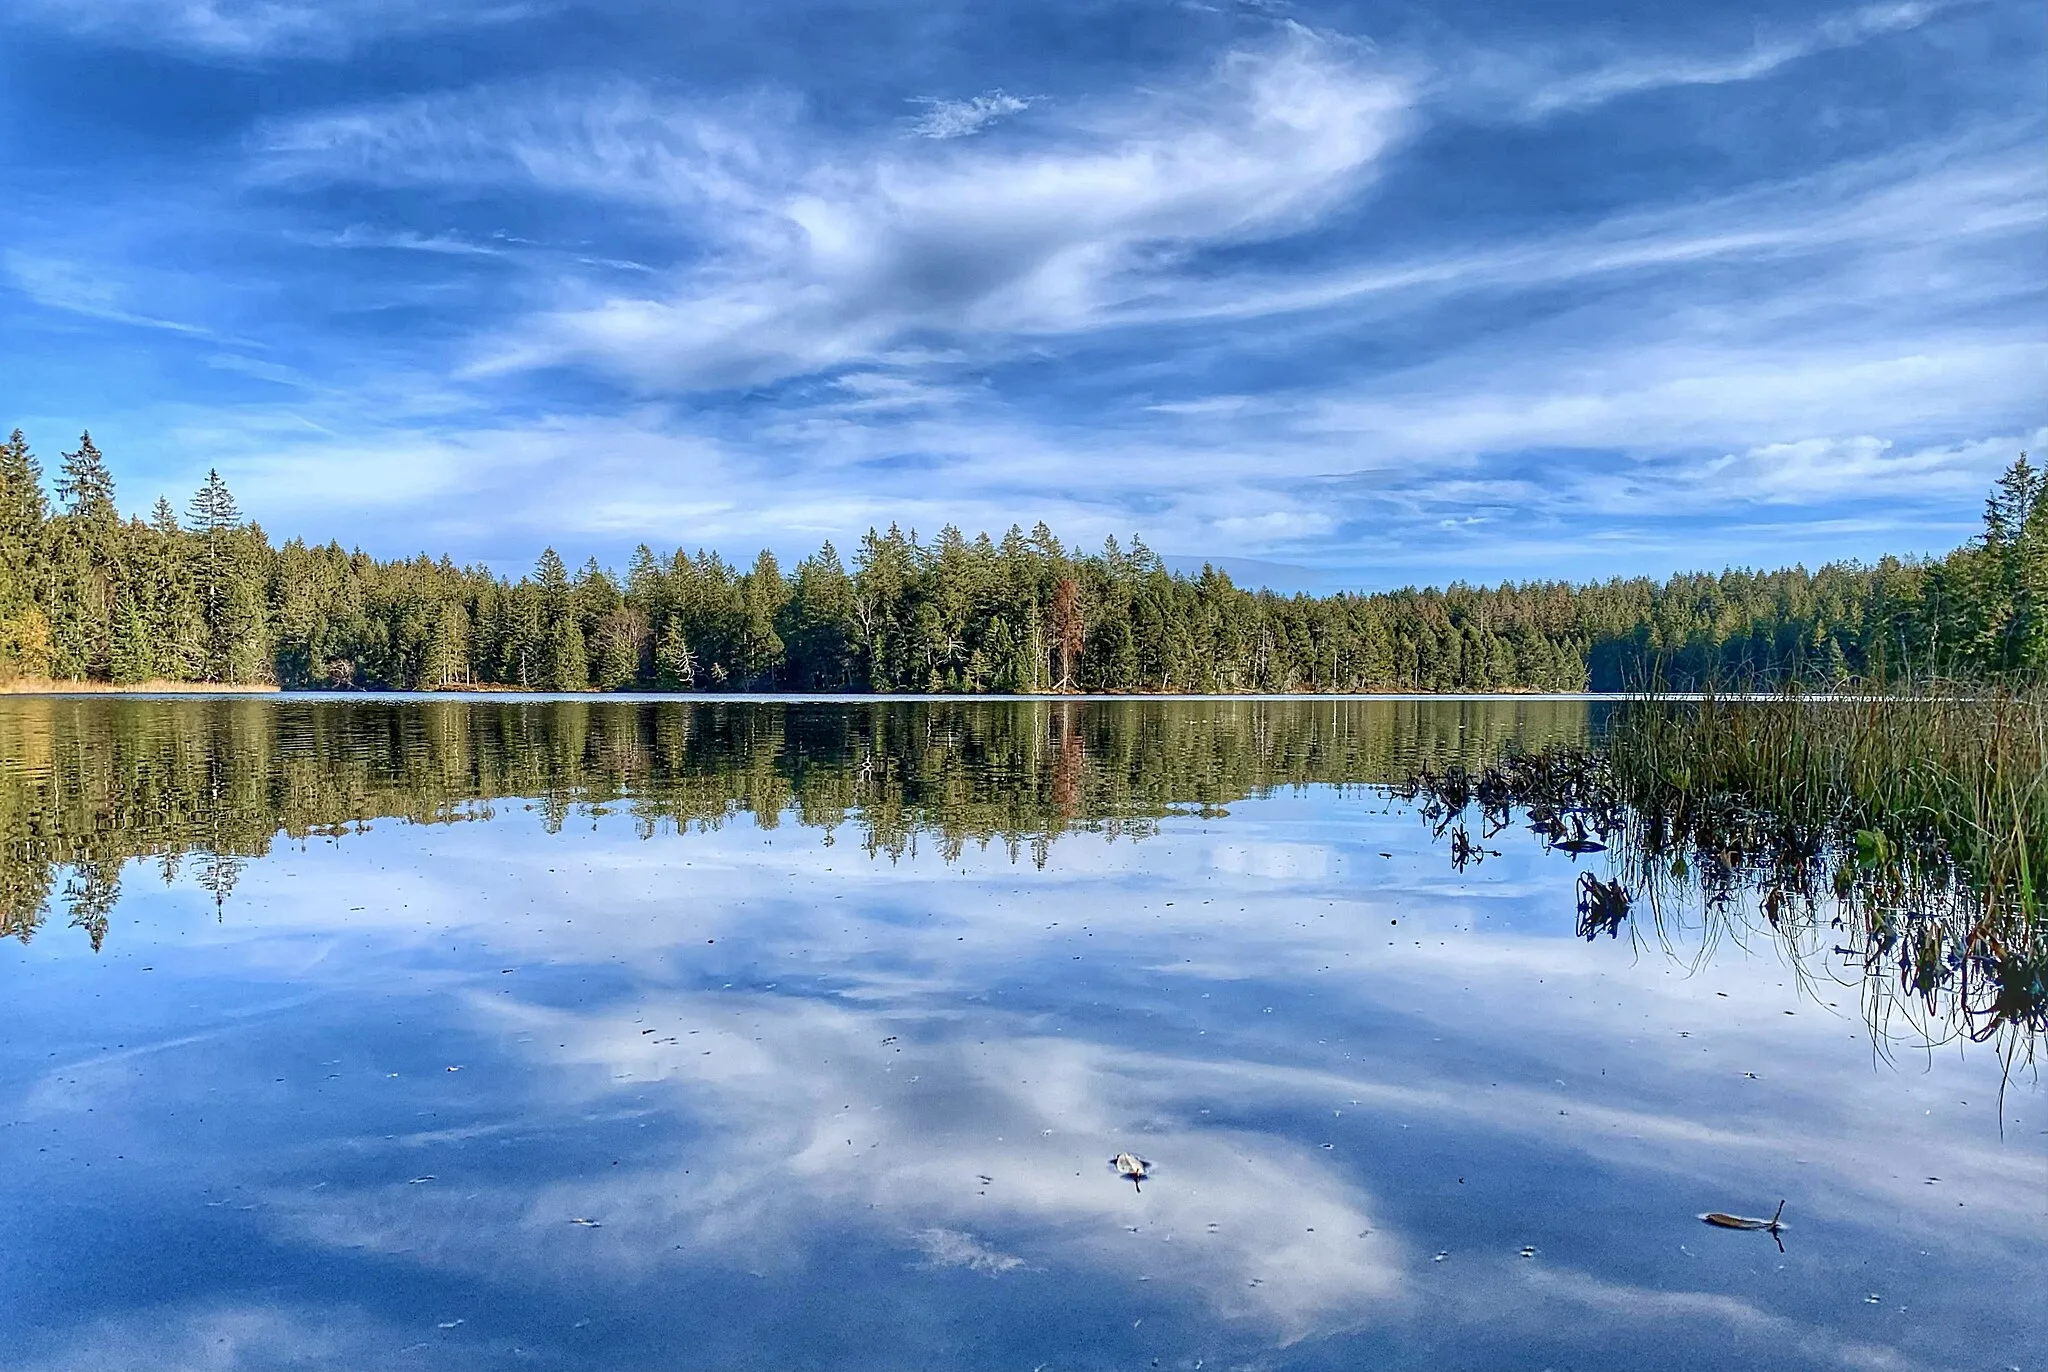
(793, 1085)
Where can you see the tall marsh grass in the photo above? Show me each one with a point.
(1904, 830)
(1928, 781)
(1922, 812)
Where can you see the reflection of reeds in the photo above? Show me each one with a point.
(1925, 810)
(1957, 777)
(1910, 826)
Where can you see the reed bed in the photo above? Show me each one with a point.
(1925, 779)
(1910, 825)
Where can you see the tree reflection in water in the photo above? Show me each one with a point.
(88, 786)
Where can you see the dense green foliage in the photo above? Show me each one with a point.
(85, 594)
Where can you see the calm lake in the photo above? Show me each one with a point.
(637, 1035)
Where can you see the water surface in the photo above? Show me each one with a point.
(370, 1034)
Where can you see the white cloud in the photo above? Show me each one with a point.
(805, 260)
(612, 143)
(880, 1106)
(1817, 470)
(1855, 333)
(1680, 433)
(249, 29)
(1957, 211)
(808, 1117)
(835, 261)
(1276, 861)
(1672, 397)
(1537, 84)
(1814, 1344)
(225, 1337)
(959, 118)
(956, 1248)
(77, 288)
(444, 244)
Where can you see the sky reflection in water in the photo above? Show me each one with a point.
(830, 1108)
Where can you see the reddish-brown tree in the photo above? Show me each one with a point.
(1067, 629)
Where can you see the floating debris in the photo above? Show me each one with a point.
(1132, 1168)
(588, 1224)
(1774, 1226)
(1721, 1221)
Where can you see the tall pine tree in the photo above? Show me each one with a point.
(24, 511)
(87, 574)
(564, 662)
(227, 566)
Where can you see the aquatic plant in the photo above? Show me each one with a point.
(1909, 826)
(1924, 809)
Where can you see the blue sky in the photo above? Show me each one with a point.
(1355, 294)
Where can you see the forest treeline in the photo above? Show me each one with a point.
(204, 596)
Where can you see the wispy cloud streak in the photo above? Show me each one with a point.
(960, 118)
(1387, 304)
(811, 264)
(239, 30)
(1539, 85)
(77, 289)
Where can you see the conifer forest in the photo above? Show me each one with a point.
(202, 595)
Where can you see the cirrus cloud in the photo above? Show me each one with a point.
(800, 264)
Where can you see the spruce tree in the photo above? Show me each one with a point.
(566, 659)
(447, 659)
(245, 625)
(86, 487)
(219, 579)
(2030, 570)
(814, 624)
(162, 583)
(83, 593)
(23, 507)
(564, 662)
(24, 626)
(619, 637)
(552, 577)
(763, 593)
(213, 508)
(86, 575)
(674, 668)
(133, 658)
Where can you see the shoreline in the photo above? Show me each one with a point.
(519, 695)
(31, 688)
(48, 686)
